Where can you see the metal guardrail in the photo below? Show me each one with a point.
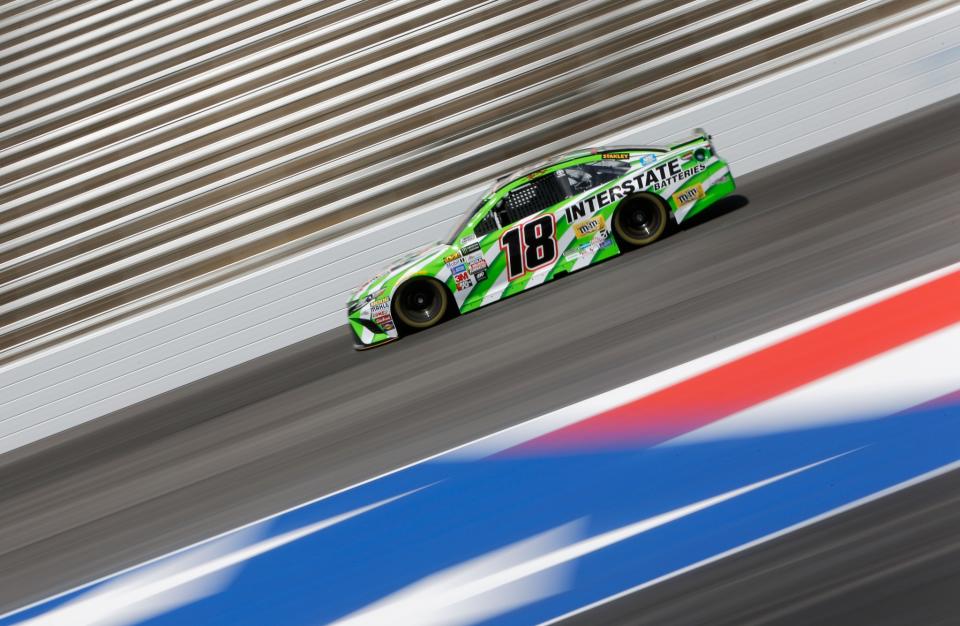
(150, 151)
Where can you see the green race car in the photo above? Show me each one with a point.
(571, 212)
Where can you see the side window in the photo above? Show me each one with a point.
(590, 175)
(529, 198)
(486, 226)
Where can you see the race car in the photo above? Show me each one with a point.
(565, 214)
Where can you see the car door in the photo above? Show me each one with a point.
(523, 249)
(588, 236)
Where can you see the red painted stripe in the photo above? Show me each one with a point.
(767, 373)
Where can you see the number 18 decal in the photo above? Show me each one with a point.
(530, 246)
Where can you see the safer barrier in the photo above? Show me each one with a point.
(803, 98)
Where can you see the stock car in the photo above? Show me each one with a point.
(561, 216)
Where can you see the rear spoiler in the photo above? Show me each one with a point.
(700, 135)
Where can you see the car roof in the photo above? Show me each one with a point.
(568, 156)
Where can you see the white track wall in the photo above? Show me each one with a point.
(778, 117)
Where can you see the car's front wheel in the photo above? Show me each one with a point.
(421, 303)
(640, 220)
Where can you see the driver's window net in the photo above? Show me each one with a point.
(530, 198)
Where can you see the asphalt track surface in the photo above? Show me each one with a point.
(893, 561)
(814, 232)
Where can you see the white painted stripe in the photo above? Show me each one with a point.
(366, 336)
(493, 294)
(607, 539)
(447, 598)
(454, 596)
(891, 382)
(146, 592)
(780, 533)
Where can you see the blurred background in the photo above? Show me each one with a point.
(190, 190)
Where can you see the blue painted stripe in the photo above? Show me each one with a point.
(466, 509)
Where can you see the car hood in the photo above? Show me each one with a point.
(398, 264)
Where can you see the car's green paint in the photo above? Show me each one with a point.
(699, 178)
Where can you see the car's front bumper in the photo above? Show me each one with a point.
(368, 333)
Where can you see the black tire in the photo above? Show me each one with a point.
(640, 220)
(421, 303)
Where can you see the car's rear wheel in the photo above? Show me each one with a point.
(640, 220)
(421, 303)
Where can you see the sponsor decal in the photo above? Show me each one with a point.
(655, 178)
(674, 174)
(463, 281)
(478, 265)
(686, 156)
(373, 295)
(457, 269)
(600, 244)
(592, 225)
(481, 275)
(536, 174)
(647, 159)
(380, 305)
(690, 195)
(355, 305)
(452, 258)
(469, 244)
(600, 241)
(383, 319)
(616, 156)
